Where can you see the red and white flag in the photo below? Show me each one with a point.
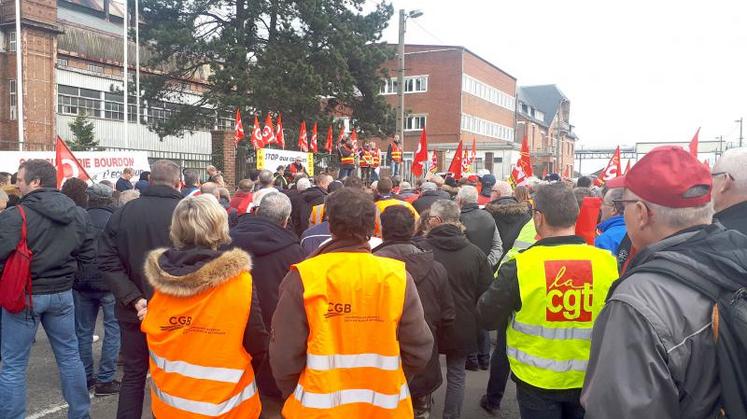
(694, 144)
(434, 163)
(523, 169)
(279, 135)
(314, 145)
(354, 138)
(627, 168)
(342, 134)
(66, 163)
(257, 135)
(456, 164)
(238, 134)
(268, 133)
(473, 154)
(303, 144)
(466, 162)
(613, 169)
(421, 155)
(328, 144)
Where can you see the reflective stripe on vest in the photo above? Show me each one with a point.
(353, 304)
(396, 153)
(527, 237)
(317, 215)
(562, 290)
(206, 408)
(343, 397)
(329, 362)
(226, 375)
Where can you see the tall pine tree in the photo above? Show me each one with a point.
(305, 58)
(82, 129)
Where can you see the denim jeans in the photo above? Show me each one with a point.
(534, 404)
(56, 314)
(396, 168)
(455, 374)
(482, 356)
(135, 357)
(500, 369)
(346, 171)
(86, 310)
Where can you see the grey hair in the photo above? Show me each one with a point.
(615, 194)
(682, 218)
(266, 178)
(405, 186)
(303, 184)
(276, 207)
(503, 187)
(446, 210)
(467, 195)
(733, 161)
(428, 186)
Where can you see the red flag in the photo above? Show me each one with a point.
(434, 163)
(279, 135)
(257, 135)
(544, 173)
(238, 134)
(303, 144)
(342, 134)
(473, 156)
(354, 138)
(314, 145)
(567, 172)
(421, 155)
(328, 145)
(268, 133)
(466, 163)
(694, 144)
(523, 169)
(613, 169)
(627, 168)
(456, 164)
(66, 163)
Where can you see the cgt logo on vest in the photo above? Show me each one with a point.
(570, 285)
(177, 322)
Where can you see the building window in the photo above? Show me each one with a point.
(413, 84)
(415, 122)
(114, 107)
(489, 93)
(78, 101)
(95, 68)
(12, 41)
(160, 112)
(13, 101)
(487, 128)
(62, 62)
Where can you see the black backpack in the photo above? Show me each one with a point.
(729, 326)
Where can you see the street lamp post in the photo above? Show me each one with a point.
(403, 16)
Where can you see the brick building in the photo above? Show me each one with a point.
(543, 116)
(72, 64)
(457, 95)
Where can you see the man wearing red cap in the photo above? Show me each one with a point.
(653, 352)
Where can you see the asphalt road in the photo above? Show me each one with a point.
(45, 399)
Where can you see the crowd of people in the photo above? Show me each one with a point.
(336, 295)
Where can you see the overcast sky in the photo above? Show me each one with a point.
(633, 70)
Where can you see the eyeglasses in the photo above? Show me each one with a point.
(536, 210)
(625, 202)
(715, 174)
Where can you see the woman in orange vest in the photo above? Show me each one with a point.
(203, 325)
(394, 154)
(348, 325)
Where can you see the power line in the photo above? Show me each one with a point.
(428, 32)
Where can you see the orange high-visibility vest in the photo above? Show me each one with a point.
(386, 203)
(366, 159)
(353, 304)
(317, 215)
(348, 160)
(376, 158)
(396, 153)
(197, 357)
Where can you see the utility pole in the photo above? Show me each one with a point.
(126, 77)
(401, 78)
(19, 76)
(740, 131)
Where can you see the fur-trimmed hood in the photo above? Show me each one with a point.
(188, 272)
(505, 207)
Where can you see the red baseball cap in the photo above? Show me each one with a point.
(616, 182)
(669, 176)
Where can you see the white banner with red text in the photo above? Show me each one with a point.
(100, 165)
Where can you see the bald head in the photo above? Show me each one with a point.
(210, 188)
(730, 180)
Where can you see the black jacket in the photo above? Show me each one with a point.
(432, 283)
(509, 216)
(57, 234)
(427, 198)
(734, 217)
(311, 197)
(273, 249)
(479, 226)
(469, 276)
(134, 230)
(187, 272)
(89, 278)
(123, 185)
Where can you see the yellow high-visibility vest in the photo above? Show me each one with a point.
(353, 303)
(563, 289)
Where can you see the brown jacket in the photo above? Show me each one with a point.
(290, 328)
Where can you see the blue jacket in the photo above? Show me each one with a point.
(612, 233)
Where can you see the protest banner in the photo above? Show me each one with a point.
(100, 165)
(270, 159)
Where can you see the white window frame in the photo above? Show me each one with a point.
(416, 122)
(95, 68)
(413, 84)
(13, 100)
(476, 125)
(63, 62)
(12, 41)
(487, 92)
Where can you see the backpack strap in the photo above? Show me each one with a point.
(685, 275)
(23, 223)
